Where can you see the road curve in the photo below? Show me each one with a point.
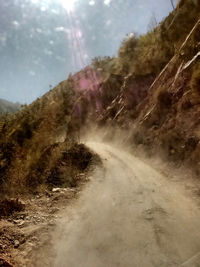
(129, 215)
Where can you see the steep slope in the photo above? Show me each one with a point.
(163, 109)
(38, 145)
(171, 112)
(151, 89)
(152, 92)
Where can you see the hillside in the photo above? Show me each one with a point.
(8, 107)
(159, 101)
(38, 145)
(131, 211)
(151, 90)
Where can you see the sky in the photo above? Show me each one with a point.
(43, 41)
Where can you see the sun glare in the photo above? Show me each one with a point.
(68, 4)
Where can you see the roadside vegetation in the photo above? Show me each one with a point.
(34, 141)
(37, 145)
(159, 95)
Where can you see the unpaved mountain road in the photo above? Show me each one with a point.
(129, 215)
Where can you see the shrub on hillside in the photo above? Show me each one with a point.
(149, 53)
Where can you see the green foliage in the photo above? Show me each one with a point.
(129, 47)
(178, 26)
(128, 52)
(101, 62)
(143, 55)
(29, 132)
(105, 65)
(149, 53)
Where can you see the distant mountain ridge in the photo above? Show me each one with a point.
(8, 107)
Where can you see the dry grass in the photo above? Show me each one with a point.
(32, 142)
(195, 80)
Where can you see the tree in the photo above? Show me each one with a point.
(172, 3)
(153, 23)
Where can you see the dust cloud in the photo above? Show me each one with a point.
(128, 215)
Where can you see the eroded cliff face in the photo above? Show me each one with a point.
(171, 113)
(163, 112)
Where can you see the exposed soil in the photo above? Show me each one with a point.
(27, 223)
(9, 206)
(129, 214)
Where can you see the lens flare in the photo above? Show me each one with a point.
(68, 4)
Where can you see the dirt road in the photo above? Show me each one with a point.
(129, 215)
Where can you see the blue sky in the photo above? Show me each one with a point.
(42, 41)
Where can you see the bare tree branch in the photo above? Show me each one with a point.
(172, 2)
